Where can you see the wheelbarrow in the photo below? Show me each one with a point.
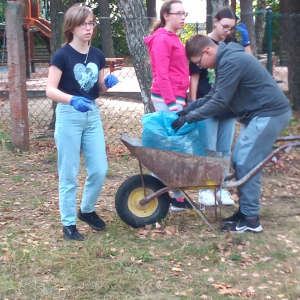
(144, 199)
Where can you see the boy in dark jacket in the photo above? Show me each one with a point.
(244, 85)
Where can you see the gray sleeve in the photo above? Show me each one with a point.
(227, 81)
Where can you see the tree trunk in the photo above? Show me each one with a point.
(105, 29)
(151, 10)
(136, 26)
(212, 7)
(290, 23)
(260, 25)
(233, 4)
(247, 18)
(56, 6)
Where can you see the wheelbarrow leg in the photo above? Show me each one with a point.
(197, 210)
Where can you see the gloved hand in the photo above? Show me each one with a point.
(178, 123)
(244, 33)
(110, 81)
(181, 113)
(80, 103)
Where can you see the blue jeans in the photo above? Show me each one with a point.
(254, 144)
(219, 135)
(75, 132)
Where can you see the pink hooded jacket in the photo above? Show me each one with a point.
(169, 65)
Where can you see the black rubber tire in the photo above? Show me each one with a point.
(133, 188)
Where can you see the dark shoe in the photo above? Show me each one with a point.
(92, 219)
(180, 206)
(244, 225)
(71, 233)
(234, 219)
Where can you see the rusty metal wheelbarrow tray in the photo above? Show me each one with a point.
(179, 170)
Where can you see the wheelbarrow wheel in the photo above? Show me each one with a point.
(129, 195)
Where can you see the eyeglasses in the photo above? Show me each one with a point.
(198, 64)
(227, 28)
(180, 14)
(83, 25)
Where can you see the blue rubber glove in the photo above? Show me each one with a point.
(244, 33)
(80, 103)
(110, 81)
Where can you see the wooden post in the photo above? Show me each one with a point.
(17, 76)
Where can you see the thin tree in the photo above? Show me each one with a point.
(151, 10)
(247, 18)
(212, 7)
(136, 24)
(291, 40)
(105, 29)
(56, 6)
(260, 24)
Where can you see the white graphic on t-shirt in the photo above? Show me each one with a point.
(86, 76)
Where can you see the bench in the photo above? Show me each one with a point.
(114, 63)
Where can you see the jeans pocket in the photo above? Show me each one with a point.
(64, 108)
(260, 124)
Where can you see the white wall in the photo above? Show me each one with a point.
(195, 8)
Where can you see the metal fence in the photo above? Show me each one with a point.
(121, 108)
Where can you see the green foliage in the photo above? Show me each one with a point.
(2, 11)
(118, 31)
(187, 31)
(5, 142)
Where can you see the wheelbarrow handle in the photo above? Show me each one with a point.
(283, 148)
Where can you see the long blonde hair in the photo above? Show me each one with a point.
(76, 14)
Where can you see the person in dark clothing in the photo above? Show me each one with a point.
(243, 85)
(220, 129)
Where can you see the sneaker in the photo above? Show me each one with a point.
(243, 225)
(92, 219)
(177, 206)
(207, 198)
(234, 218)
(224, 197)
(71, 233)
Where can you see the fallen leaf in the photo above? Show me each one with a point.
(177, 269)
(230, 292)
(264, 259)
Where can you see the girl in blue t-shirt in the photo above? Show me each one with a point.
(75, 79)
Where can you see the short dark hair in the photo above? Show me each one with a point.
(226, 12)
(196, 44)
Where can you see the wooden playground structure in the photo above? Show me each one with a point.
(33, 26)
(36, 26)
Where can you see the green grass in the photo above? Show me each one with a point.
(126, 263)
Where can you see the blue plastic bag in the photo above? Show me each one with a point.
(158, 133)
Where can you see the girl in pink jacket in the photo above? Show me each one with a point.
(170, 69)
(168, 59)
